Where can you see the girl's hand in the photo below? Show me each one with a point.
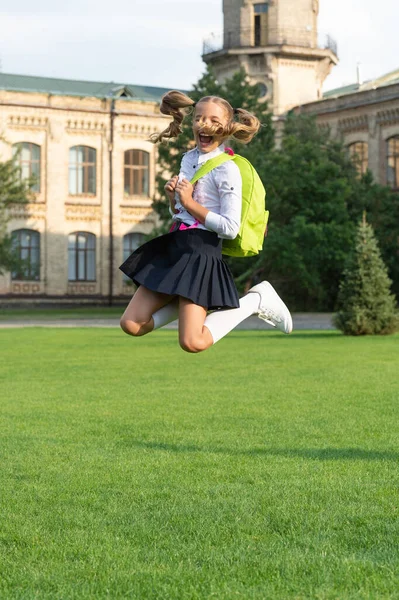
(170, 189)
(185, 191)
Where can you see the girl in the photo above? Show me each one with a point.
(182, 274)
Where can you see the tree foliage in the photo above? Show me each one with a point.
(315, 197)
(365, 303)
(13, 190)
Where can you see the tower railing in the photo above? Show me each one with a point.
(245, 38)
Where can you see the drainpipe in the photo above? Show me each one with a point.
(112, 115)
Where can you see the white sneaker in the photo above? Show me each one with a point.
(271, 308)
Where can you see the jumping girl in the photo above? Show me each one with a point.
(182, 274)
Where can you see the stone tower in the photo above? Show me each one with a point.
(278, 45)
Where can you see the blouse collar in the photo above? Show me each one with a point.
(205, 156)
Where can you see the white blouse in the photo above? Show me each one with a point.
(219, 191)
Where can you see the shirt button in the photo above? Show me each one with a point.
(232, 188)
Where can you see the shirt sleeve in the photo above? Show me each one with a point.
(226, 224)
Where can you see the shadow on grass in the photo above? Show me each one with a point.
(307, 453)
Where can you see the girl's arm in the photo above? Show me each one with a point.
(226, 223)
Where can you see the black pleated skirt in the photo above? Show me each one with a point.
(185, 263)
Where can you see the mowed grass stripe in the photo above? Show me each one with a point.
(266, 467)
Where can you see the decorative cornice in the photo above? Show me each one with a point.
(388, 117)
(28, 211)
(27, 122)
(85, 126)
(23, 287)
(75, 289)
(136, 214)
(79, 212)
(354, 124)
(137, 129)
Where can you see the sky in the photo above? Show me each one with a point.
(159, 42)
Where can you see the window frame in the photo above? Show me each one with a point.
(33, 264)
(34, 177)
(83, 167)
(75, 253)
(138, 171)
(360, 159)
(394, 158)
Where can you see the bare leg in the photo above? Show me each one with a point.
(137, 319)
(193, 336)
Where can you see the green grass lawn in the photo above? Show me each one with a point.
(264, 468)
(72, 312)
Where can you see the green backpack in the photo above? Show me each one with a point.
(254, 217)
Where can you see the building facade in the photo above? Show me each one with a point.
(87, 146)
(366, 118)
(278, 44)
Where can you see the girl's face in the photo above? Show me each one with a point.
(210, 119)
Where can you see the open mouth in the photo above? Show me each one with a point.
(205, 140)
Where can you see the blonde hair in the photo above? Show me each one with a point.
(177, 105)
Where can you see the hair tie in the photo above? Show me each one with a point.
(235, 111)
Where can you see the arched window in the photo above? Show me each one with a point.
(131, 241)
(359, 154)
(27, 157)
(136, 172)
(82, 170)
(393, 162)
(26, 246)
(81, 256)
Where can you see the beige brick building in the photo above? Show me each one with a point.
(88, 146)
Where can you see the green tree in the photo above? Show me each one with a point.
(314, 195)
(365, 303)
(316, 199)
(13, 190)
(382, 207)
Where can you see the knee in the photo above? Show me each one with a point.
(192, 345)
(130, 327)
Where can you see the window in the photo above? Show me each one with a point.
(26, 246)
(81, 256)
(359, 154)
(131, 241)
(82, 170)
(261, 8)
(136, 173)
(27, 157)
(393, 162)
(261, 24)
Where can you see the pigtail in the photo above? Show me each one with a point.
(176, 105)
(246, 127)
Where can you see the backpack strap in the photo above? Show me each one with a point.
(209, 165)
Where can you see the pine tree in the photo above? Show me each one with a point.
(13, 190)
(365, 303)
